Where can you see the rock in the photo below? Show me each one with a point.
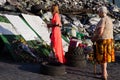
(10, 8)
(117, 37)
(2, 2)
(13, 2)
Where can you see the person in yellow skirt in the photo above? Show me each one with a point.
(103, 37)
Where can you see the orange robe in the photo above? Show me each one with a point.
(56, 39)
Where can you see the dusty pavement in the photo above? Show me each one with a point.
(25, 71)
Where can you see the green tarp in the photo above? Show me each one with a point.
(12, 48)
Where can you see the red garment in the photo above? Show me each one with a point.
(56, 39)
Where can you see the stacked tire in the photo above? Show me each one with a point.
(75, 57)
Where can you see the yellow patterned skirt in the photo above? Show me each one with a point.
(105, 51)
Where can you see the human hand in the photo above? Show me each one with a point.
(94, 39)
(48, 25)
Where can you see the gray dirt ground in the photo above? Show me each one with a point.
(25, 71)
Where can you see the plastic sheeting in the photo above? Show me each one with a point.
(21, 27)
(39, 26)
(7, 29)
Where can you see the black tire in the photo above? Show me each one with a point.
(75, 54)
(76, 51)
(53, 69)
(77, 63)
(74, 57)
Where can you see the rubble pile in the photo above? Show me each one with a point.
(79, 17)
(65, 5)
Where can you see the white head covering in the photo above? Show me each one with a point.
(103, 9)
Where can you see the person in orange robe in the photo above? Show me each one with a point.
(56, 39)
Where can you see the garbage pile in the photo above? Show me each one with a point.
(78, 17)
